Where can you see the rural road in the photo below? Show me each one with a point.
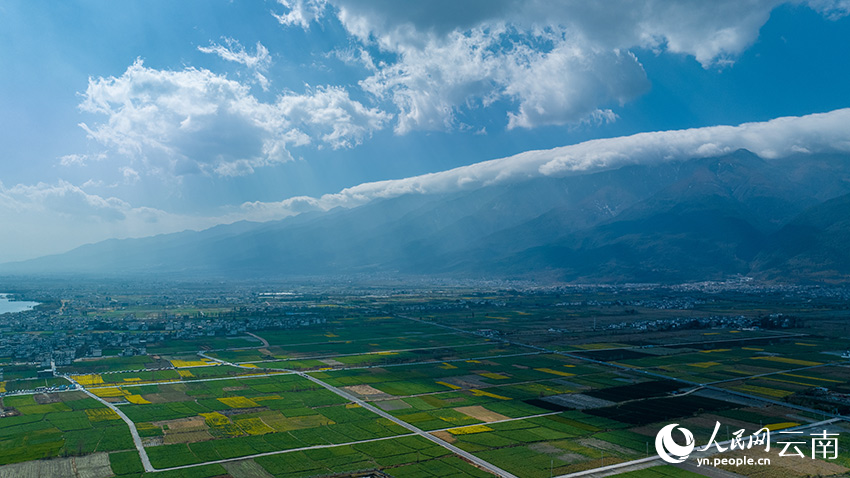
(464, 454)
(262, 340)
(601, 471)
(281, 452)
(137, 440)
(655, 459)
(647, 373)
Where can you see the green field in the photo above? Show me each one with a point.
(567, 395)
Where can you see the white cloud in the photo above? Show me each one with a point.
(706, 30)
(560, 85)
(39, 211)
(431, 82)
(130, 175)
(66, 199)
(567, 85)
(234, 51)
(832, 9)
(195, 121)
(781, 137)
(330, 114)
(566, 62)
(47, 219)
(80, 159)
(300, 12)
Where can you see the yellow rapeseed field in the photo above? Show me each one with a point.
(136, 399)
(215, 419)
(704, 364)
(88, 380)
(190, 363)
(107, 392)
(482, 393)
(113, 392)
(450, 385)
(804, 363)
(494, 376)
(469, 430)
(238, 402)
(813, 378)
(555, 372)
(101, 414)
(254, 426)
(770, 392)
(266, 397)
(781, 426)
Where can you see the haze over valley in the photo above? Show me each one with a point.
(425, 239)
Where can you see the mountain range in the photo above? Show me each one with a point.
(692, 219)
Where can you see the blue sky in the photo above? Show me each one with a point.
(124, 119)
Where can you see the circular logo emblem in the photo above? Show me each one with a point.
(668, 449)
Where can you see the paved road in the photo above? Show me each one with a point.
(379, 398)
(496, 421)
(464, 454)
(329, 342)
(264, 341)
(771, 335)
(280, 452)
(648, 373)
(835, 364)
(415, 430)
(379, 352)
(143, 454)
(656, 375)
(212, 379)
(604, 470)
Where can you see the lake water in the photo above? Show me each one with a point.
(7, 305)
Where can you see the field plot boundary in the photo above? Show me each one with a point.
(709, 452)
(280, 452)
(137, 440)
(379, 352)
(439, 441)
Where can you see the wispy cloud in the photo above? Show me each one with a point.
(300, 12)
(233, 51)
(47, 219)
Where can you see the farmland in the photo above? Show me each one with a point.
(535, 385)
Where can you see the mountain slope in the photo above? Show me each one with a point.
(812, 246)
(681, 220)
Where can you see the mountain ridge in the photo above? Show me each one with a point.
(690, 219)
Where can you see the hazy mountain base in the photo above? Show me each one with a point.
(785, 219)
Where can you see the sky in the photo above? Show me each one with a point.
(128, 119)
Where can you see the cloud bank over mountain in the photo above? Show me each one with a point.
(781, 137)
(64, 204)
(309, 105)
